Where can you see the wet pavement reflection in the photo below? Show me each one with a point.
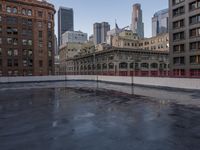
(79, 116)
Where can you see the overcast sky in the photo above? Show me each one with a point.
(87, 12)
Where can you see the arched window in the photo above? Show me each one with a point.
(123, 65)
(145, 65)
(29, 12)
(15, 10)
(111, 66)
(104, 66)
(23, 11)
(154, 65)
(98, 66)
(131, 66)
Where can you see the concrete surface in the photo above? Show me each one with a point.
(88, 116)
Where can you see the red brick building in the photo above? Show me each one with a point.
(26, 38)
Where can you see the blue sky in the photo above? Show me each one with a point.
(87, 12)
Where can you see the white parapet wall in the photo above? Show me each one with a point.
(183, 83)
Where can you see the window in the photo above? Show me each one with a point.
(40, 44)
(30, 22)
(29, 12)
(15, 31)
(23, 11)
(24, 42)
(15, 41)
(179, 48)
(40, 24)
(40, 63)
(50, 63)
(179, 60)
(195, 19)
(30, 42)
(49, 16)
(30, 63)
(25, 64)
(179, 36)
(30, 52)
(175, 2)
(194, 5)
(15, 52)
(9, 62)
(15, 10)
(8, 9)
(195, 59)
(11, 20)
(40, 34)
(195, 46)
(0, 51)
(178, 24)
(9, 40)
(49, 53)
(9, 30)
(16, 73)
(195, 32)
(9, 52)
(49, 25)
(178, 11)
(15, 62)
(49, 44)
(40, 14)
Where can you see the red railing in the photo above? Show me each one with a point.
(171, 74)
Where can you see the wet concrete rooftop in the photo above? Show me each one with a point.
(91, 116)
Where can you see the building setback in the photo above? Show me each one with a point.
(137, 25)
(100, 32)
(184, 26)
(26, 38)
(65, 22)
(74, 37)
(160, 22)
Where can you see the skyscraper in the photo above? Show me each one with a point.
(100, 32)
(137, 25)
(160, 22)
(65, 22)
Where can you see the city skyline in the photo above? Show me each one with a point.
(92, 12)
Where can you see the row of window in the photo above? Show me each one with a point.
(194, 46)
(26, 52)
(181, 35)
(175, 2)
(25, 63)
(24, 21)
(26, 12)
(194, 59)
(181, 23)
(154, 41)
(25, 42)
(181, 10)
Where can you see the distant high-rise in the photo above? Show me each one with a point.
(160, 22)
(65, 22)
(137, 25)
(100, 32)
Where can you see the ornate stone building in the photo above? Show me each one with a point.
(118, 61)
